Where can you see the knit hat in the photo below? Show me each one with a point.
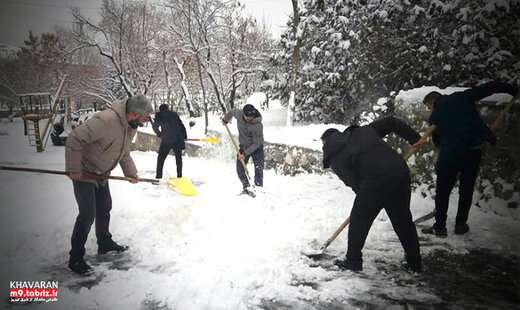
(139, 104)
(250, 111)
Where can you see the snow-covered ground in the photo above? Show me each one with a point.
(218, 250)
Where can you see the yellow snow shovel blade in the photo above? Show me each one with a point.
(182, 186)
(208, 139)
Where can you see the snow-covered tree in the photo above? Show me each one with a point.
(356, 51)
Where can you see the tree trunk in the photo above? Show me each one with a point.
(184, 87)
(295, 63)
(204, 101)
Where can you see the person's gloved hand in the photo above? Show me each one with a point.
(76, 176)
(134, 179)
(241, 155)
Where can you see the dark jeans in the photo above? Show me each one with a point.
(465, 168)
(94, 202)
(164, 150)
(258, 161)
(394, 197)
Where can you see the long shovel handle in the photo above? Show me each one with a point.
(238, 150)
(65, 173)
(207, 139)
(335, 234)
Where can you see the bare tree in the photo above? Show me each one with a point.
(126, 38)
(194, 24)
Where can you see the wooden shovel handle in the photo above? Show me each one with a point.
(335, 234)
(94, 176)
(238, 150)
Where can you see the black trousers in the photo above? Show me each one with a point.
(258, 161)
(94, 202)
(394, 197)
(164, 150)
(465, 169)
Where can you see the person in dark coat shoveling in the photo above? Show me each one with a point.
(380, 178)
(458, 133)
(169, 127)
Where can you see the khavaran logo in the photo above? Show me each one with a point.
(33, 291)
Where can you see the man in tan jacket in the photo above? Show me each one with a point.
(93, 150)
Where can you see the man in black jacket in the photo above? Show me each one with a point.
(380, 178)
(169, 127)
(57, 129)
(458, 133)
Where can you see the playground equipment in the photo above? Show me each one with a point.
(41, 106)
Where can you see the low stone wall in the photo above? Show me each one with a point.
(149, 142)
(284, 159)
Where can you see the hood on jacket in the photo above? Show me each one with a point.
(250, 111)
(120, 109)
(334, 144)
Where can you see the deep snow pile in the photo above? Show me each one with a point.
(214, 251)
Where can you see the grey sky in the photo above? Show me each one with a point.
(17, 17)
(273, 12)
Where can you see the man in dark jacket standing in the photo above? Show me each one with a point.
(380, 178)
(251, 140)
(458, 133)
(169, 127)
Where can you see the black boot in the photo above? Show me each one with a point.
(248, 191)
(111, 246)
(461, 229)
(349, 265)
(413, 264)
(436, 230)
(79, 266)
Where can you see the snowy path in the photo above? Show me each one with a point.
(214, 251)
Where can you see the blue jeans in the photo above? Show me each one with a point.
(258, 161)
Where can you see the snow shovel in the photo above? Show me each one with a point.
(155, 181)
(425, 217)
(321, 252)
(207, 139)
(182, 186)
(243, 163)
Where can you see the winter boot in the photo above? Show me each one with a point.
(413, 264)
(436, 230)
(111, 246)
(79, 266)
(248, 191)
(461, 229)
(349, 265)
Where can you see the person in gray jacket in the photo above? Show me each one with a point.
(251, 142)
